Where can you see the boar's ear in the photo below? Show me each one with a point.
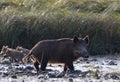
(6, 46)
(75, 39)
(86, 38)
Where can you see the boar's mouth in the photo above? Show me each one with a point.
(82, 53)
(85, 54)
(86, 57)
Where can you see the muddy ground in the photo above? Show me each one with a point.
(95, 69)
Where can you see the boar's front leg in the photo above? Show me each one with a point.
(36, 65)
(69, 65)
(65, 67)
(44, 62)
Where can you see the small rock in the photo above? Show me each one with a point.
(29, 73)
(29, 68)
(85, 59)
(83, 74)
(0, 73)
(41, 76)
(60, 65)
(51, 65)
(70, 80)
(60, 75)
(102, 63)
(5, 74)
(14, 77)
(48, 70)
(23, 81)
(87, 62)
(114, 76)
(16, 64)
(94, 59)
(73, 74)
(112, 63)
(6, 62)
(52, 75)
(19, 69)
(96, 67)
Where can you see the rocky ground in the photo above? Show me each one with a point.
(95, 69)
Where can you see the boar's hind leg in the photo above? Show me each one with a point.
(36, 65)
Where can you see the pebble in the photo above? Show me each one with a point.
(5, 74)
(111, 76)
(6, 62)
(29, 68)
(112, 63)
(14, 76)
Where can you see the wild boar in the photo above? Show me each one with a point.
(64, 50)
(3, 50)
(24, 50)
(14, 54)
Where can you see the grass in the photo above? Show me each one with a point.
(25, 22)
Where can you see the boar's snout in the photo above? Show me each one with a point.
(85, 54)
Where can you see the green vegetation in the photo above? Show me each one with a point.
(25, 22)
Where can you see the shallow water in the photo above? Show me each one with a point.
(95, 69)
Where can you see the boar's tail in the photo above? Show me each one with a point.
(26, 58)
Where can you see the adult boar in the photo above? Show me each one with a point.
(64, 50)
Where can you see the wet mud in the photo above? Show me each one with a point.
(94, 69)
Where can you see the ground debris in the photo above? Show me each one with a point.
(14, 76)
(112, 63)
(6, 62)
(97, 68)
(114, 76)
